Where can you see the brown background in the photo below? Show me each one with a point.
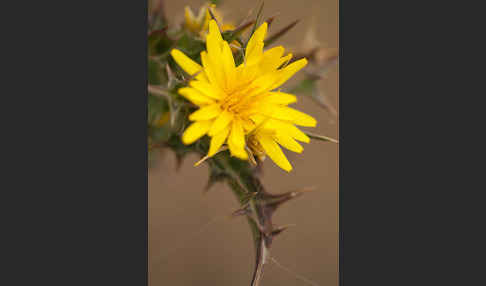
(185, 250)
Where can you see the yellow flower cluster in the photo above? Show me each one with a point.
(238, 105)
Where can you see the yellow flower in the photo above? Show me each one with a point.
(196, 23)
(199, 24)
(238, 105)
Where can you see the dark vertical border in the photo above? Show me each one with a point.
(408, 211)
(74, 195)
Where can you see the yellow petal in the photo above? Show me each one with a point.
(296, 133)
(206, 113)
(255, 56)
(254, 49)
(301, 118)
(248, 125)
(237, 152)
(246, 73)
(195, 96)
(214, 30)
(228, 64)
(284, 60)
(214, 75)
(287, 128)
(214, 54)
(237, 136)
(280, 98)
(271, 59)
(264, 83)
(289, 71)
(289, 114)
(258, 118)
(221, 122)
(274, 152)
(207, 89)
(288, 142)
(195, 131)
(217, 141)
(236, 141)
(214, 42)
(188, 65)
(213, 46)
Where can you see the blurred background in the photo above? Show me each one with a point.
(191, 240)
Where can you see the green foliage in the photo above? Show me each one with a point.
(159, 42)
(191, 46)
(156, 72)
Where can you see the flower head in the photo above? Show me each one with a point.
(199, 24)
(238, 105)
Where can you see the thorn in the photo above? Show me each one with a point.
(224, 148)
(276, 201)
(245, 210)
(269, 20)
(158, 91)
(170, 76)
(280, 229)
(256, 22)
(248, 15)
(242, 27)
(187, 80)
(321, 137)
(280, 33)
(212, 16)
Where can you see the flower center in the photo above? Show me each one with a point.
(238, 99)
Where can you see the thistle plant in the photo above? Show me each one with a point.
(215, 90)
